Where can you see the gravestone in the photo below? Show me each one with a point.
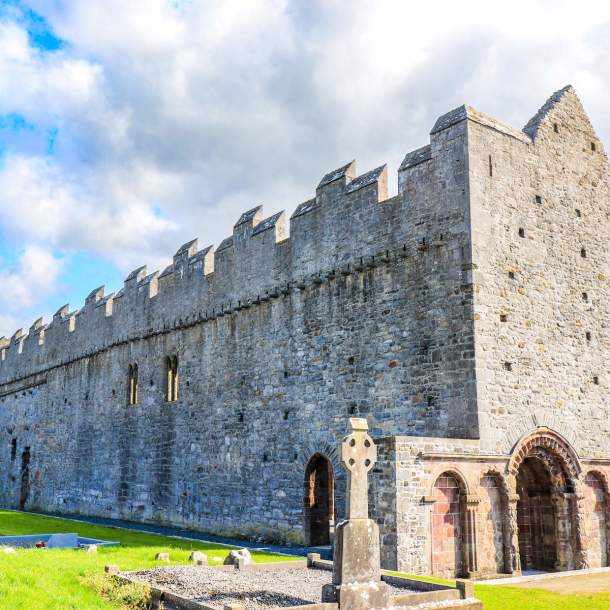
(357, 581)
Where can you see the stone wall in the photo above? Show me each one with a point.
(363, 310)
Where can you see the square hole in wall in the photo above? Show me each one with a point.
(578, 214)
(503, 317)
(511, 275)
(508, 366)
(556, 127)
(585, 296)
(588, 336)
(595, 379)
(538, 199)
(593, 146)
(583, 253)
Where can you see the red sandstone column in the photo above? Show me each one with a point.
(563, 531)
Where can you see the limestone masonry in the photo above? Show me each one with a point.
(467, 319)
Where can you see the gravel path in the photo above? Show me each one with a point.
(256, 589)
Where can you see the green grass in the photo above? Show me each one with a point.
(495, 597)
(74, 580)
(65, 579)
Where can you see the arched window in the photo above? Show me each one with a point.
(132, 385)
(171, 378)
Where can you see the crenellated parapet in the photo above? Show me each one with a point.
(349, 223)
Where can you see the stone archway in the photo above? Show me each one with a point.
(547, 532)
(449, 526)
(319, 501)
(597, 518)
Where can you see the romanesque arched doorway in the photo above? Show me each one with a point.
(596, 520)
(545, 472)
(449, 531)
(536, 517)
(319, 501)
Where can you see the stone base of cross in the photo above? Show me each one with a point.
(357, 581)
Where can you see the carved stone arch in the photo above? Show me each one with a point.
(550, 442)
(545, 473)
(538, 420)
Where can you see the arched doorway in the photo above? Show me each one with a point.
(319, 501)
(536, 517)
(596, 520)
(449, 532)
(544, 472)
(491, 534)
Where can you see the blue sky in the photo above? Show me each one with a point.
(128, 128)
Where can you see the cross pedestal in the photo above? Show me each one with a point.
(357, 581)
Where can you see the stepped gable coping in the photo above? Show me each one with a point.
(346, 171)
(266, 224)
(305, 207)
(415, 157)
(225, 243)
(365, 180)
(247, 216)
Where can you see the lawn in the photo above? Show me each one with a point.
(72, 580)
(516, 598)
(65, 579)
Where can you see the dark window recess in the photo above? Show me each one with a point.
(350, 360)
(578, 214)
(13, 449)
(555, 127)
(593, 146)
(491, 167)
(240, 417)
(286, 414)
(585, 296)
(265, 458)
(521, 232)
(503, 317)
(508, 366)
(511, 275)
(588, 336)
(538, 199)
(583, 253)
(25, 478)
(596, 380)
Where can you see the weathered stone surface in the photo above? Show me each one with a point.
(239, 558)
(199, 558)
(162, 557)
(460, 316)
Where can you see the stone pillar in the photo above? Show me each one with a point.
(356, 583)
(580, 532)
(563, 531)
(470, 539)
(512, 560)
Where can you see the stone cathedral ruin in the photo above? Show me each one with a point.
(466, 318)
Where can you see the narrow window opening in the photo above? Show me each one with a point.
(171, 378)
(585, 296)
(538, 199)
(508, 366)
(132, 385)
(596, 380)
(583, 253)
(588, 336)
(521, 232)
(555, 127)
(240, 417)
(503, 317)
(511, 275)
(593, 146)
(13, 449)
(286, 414)
(578, 214)
(491, 167)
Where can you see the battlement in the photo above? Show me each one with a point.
(349, 221)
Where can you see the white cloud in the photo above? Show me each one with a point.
(175, 116)
(33, 278)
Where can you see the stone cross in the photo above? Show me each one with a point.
(358, 454)
(357, 583)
